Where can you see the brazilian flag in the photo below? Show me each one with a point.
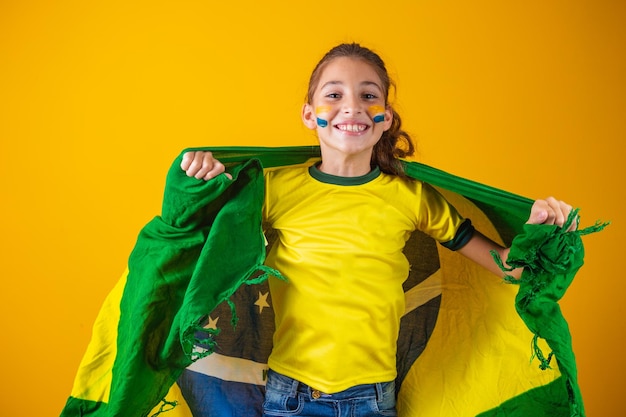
(188, 328)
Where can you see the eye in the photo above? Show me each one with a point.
(333, 95)
(369, 96)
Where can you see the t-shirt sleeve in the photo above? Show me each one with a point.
(440, 220)
(463, 234)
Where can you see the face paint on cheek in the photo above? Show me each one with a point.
(377, 113)
(320, 112)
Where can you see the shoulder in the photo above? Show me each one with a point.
(404, 185)
(284, 172)
(416, 195)
(279, 181)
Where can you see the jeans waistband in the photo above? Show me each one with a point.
(292, 387)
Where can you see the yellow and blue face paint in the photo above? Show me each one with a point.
(319, 112)
(377, 113)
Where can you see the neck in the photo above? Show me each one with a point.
(346, 166)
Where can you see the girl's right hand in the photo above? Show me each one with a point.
(202, 165)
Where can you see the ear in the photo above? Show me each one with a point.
(388, 118)
(309, 118)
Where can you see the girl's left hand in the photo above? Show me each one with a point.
(551, 211)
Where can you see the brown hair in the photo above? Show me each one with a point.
(395, 143)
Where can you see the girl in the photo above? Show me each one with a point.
(342, 225)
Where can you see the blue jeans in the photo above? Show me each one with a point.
(285, 396)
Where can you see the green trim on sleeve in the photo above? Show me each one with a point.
(463, 235)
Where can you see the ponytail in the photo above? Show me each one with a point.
(395, 143)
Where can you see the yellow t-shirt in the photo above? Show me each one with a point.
(339, 244)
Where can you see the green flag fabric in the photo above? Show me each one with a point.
(464, 348)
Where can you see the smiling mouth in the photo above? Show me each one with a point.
(358, 127)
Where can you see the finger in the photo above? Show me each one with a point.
(187, 159)
(202, 164)
(198, 165)
(211, 168)
(564, 210)
(554, 211)
(561, 211)
(545, 211)
(193, 163)
(538, 212)
(551, 211)
(218, 168)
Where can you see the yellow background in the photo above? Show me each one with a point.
(97, 98)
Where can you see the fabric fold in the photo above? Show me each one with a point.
(550, 256)
(206, 243)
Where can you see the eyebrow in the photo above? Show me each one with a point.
(364, 83)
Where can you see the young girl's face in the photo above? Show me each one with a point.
(348, 109)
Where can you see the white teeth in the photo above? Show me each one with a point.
(352, 128)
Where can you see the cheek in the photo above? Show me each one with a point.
(377, 113)
(321, 114)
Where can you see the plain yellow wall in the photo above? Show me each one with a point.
(97, 98)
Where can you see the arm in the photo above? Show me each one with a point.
(479, 247)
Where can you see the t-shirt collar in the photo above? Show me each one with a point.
(315, 172)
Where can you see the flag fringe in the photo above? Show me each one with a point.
(544, 363)
(257, 275)
(165, 403)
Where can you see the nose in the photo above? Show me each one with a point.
(351, 105)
